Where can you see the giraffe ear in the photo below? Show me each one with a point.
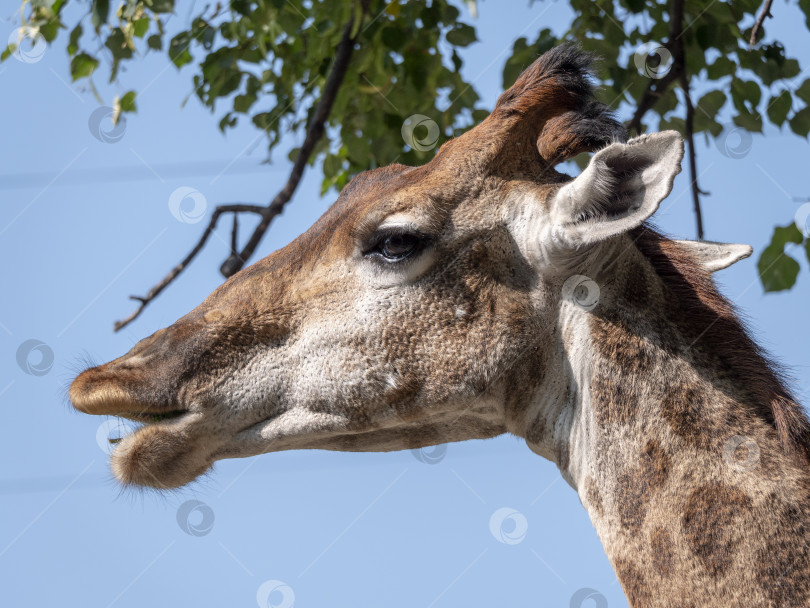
(716, 256)
(621, 187)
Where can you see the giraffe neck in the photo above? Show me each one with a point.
(689, 487)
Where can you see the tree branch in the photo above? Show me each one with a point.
(690, 122)
(175, 272)
(315, 132)
(679, 66)
(658, 86)
(654, 91)
(763, 14)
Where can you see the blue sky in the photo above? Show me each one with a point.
(84, 224)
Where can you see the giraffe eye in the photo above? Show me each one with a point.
(397, 246)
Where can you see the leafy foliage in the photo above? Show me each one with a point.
(267, 61)
(776, 268)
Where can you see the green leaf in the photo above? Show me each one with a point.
(82, 65)
(749, 121)
(99, 13)
(8, 52)
(50, 29)
(242, 103)
(161, 6)
(229, 120)
(73, 41)
(745, 90)
(787, 234)
(461, 35)
(722, 66)
(803, 92)
(127, 102)
(394, 38)
(779, 106)
(805, 6)
(120, 47)
(155, 42)
(710, 103)
(178, 49)
(777, 270)
(800, 122)
(140, 27)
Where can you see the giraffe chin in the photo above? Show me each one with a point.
(160, 456)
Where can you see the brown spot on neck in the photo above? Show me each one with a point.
(661, 550)
(638, 486)
(634, 583)
(711, 524)
(593, 498)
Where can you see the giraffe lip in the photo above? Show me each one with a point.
(147, 417)
(99, 392)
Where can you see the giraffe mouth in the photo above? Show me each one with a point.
(163, 445)
(143, 419)
(152, 418)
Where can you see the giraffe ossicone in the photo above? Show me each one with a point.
(433, 304)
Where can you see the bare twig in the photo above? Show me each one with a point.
(174, 273)
(314, 133)
(763, 14)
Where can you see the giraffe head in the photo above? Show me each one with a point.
(414, 312)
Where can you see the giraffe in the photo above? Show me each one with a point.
(486, 293)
